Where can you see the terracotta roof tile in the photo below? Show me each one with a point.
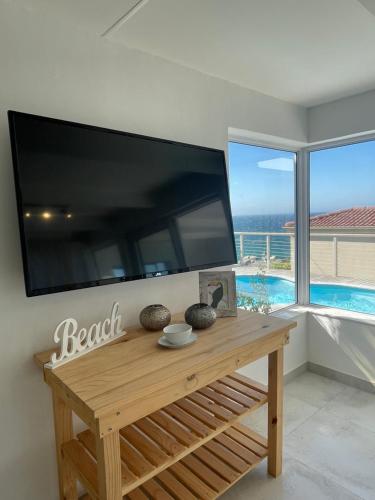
(350, 217)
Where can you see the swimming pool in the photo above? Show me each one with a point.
(282, 291)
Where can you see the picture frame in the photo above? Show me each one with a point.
(218, 289)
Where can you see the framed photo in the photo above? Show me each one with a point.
(218, 289)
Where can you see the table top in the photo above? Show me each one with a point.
(136, 366)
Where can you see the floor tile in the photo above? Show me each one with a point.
(314, 389)
(355, 405)
(297, 482)
(295, 413)
(338, 449)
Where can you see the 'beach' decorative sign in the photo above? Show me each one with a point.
(75, 341)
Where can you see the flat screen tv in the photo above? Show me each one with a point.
(99, 206)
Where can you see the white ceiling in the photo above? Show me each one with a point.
(302, 51)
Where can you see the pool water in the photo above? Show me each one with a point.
(282, 291)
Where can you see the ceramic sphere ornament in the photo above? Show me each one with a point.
(200, 316)
(155, 317)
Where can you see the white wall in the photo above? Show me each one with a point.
(295, 353)
(47, 68)
(342, 344)
(348, 116)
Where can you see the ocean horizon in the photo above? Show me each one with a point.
(257, 223)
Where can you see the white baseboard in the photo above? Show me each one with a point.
(358, 383)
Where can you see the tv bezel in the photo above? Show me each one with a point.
(30, 292)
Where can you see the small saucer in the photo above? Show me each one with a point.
(164, 342)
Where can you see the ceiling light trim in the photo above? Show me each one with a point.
(125, 18)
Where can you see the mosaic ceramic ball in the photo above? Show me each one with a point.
(155, 317)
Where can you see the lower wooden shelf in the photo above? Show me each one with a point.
(209, 471)
(193, 448)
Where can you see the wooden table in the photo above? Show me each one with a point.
(164, 423)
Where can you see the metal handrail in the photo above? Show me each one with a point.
(345, 235)
(267, 248)
(255, 233)
(266, 244)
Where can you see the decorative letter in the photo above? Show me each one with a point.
(106, 335)
(115, 321)
(64, 352)
(81, 336)
(74, 342)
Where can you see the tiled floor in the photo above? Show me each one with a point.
(329, 445)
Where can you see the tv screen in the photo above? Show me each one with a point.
(99, 206)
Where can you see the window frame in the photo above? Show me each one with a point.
(288, 147)
(302, 200)
(305, 195)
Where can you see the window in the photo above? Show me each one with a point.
(342, 227)
(262, 190)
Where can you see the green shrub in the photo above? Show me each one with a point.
(260, 301)
(281, 265)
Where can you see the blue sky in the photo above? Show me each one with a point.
(262, 179)
(256, 189)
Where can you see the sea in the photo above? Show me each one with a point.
(256, 245)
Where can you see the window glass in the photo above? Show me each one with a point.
(262, 190)
(342, 227)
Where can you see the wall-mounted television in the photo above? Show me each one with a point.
(99, 206)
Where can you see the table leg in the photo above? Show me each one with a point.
(109, 466)
(63, 420)
(275, 411)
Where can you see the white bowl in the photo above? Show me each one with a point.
(178, 333)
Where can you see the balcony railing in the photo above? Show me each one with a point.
(268, 248)
(333, 254)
